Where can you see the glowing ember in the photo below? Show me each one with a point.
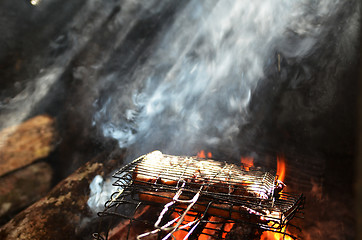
(281, 167)
(179, 235)
(227, 229)
(274, 236)
(247, 162)
(210, 229)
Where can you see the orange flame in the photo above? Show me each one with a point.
(211, 229)
(281, 167)
(267, 235)
(179, 235)
(227, 229)
(202, 154)
(208, 232)
(247, 162)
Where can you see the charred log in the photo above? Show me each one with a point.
(61, 214)
(23, 187)
(22, 144)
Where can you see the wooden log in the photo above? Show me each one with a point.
(23, 144)
(61, 213)
(23, 187)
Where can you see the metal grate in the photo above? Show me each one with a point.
(197, 196)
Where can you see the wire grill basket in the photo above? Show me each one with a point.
(174, 197)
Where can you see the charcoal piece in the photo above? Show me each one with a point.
(243, 231)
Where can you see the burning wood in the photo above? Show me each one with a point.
(203, 194)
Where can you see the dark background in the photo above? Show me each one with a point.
(318, 138)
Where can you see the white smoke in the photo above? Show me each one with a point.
(100, 190)
(194, 90)
(19, 107)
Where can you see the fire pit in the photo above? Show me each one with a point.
(193, 198)
(240, 78)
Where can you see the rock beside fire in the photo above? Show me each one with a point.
(23, 144)
(23, 187)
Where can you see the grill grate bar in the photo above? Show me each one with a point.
(203, 190)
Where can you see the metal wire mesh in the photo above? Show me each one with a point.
(197, 197)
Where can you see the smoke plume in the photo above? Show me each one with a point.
(195, 87)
